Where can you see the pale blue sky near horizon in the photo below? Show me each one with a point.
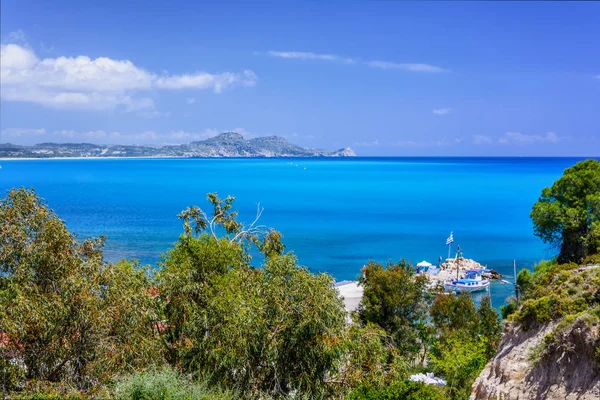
(385, 78)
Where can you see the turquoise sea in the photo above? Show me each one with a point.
(335, 214)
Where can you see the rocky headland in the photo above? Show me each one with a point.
(228, 144)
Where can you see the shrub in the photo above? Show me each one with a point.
(538, 311)
(164, 384)
(509, 309)
(407, 390)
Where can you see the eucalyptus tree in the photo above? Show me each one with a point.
(271, 329)
(66, 316)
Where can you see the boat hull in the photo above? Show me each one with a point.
(449, 286)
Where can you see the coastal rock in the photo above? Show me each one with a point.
(493, 275)
(523, 369)
(345, 152)
(463, 263)
(466, 264)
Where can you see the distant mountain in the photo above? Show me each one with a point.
(228, 144)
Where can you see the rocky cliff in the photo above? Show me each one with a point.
(558, 358)
(523, 369)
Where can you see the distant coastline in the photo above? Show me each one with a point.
(225, 145)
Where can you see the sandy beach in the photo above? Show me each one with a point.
(352, 294)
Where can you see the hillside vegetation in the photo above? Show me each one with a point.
(211, 321)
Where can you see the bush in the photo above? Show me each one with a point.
(459, 360)
(406, 390)
(509, 309)
(164, 384)
(538, 311)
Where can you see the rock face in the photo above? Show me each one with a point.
(524, 368)
(228, 144)
(463, 264)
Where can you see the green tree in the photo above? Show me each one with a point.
(453, 313)
(567, 215)
(524, 280)
(395, 299)
(270, 330)
(459, 359)
(371, 359)
(68, 316)
(490, 326)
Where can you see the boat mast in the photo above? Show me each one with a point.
(458, 252)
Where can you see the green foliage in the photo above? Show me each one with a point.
(524, 278)
(567, 215)
(372, 360)
(490, 326)
(395, 299)
(268, 330)
(224, 220)
(403, 389)
(165, 384)
(467, 337)
(554, 291)
(509, 308)
(64, 313)
(460, 359)
(70, 323)
(450, 313)
(48, 396)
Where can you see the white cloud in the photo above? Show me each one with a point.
(23, 132)
(413, 67)
(190, 100)
(101, 83)
(309, 56)
(442, 111)
(367, 144)
(204, 80)
(482, 139)
(302, 55)
(426, 143)
(517, 137)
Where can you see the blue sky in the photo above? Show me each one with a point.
(385, 78)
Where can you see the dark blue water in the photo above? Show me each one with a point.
(335, 214)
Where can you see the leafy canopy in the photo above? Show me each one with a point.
(567, 215)
(67, 315)
(395, 299)
(271, 330)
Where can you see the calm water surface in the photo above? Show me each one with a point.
(335, 214)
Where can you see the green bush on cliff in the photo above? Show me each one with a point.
(554, 291)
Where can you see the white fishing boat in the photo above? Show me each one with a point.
(472, 282)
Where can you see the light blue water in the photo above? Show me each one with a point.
(335, 214)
